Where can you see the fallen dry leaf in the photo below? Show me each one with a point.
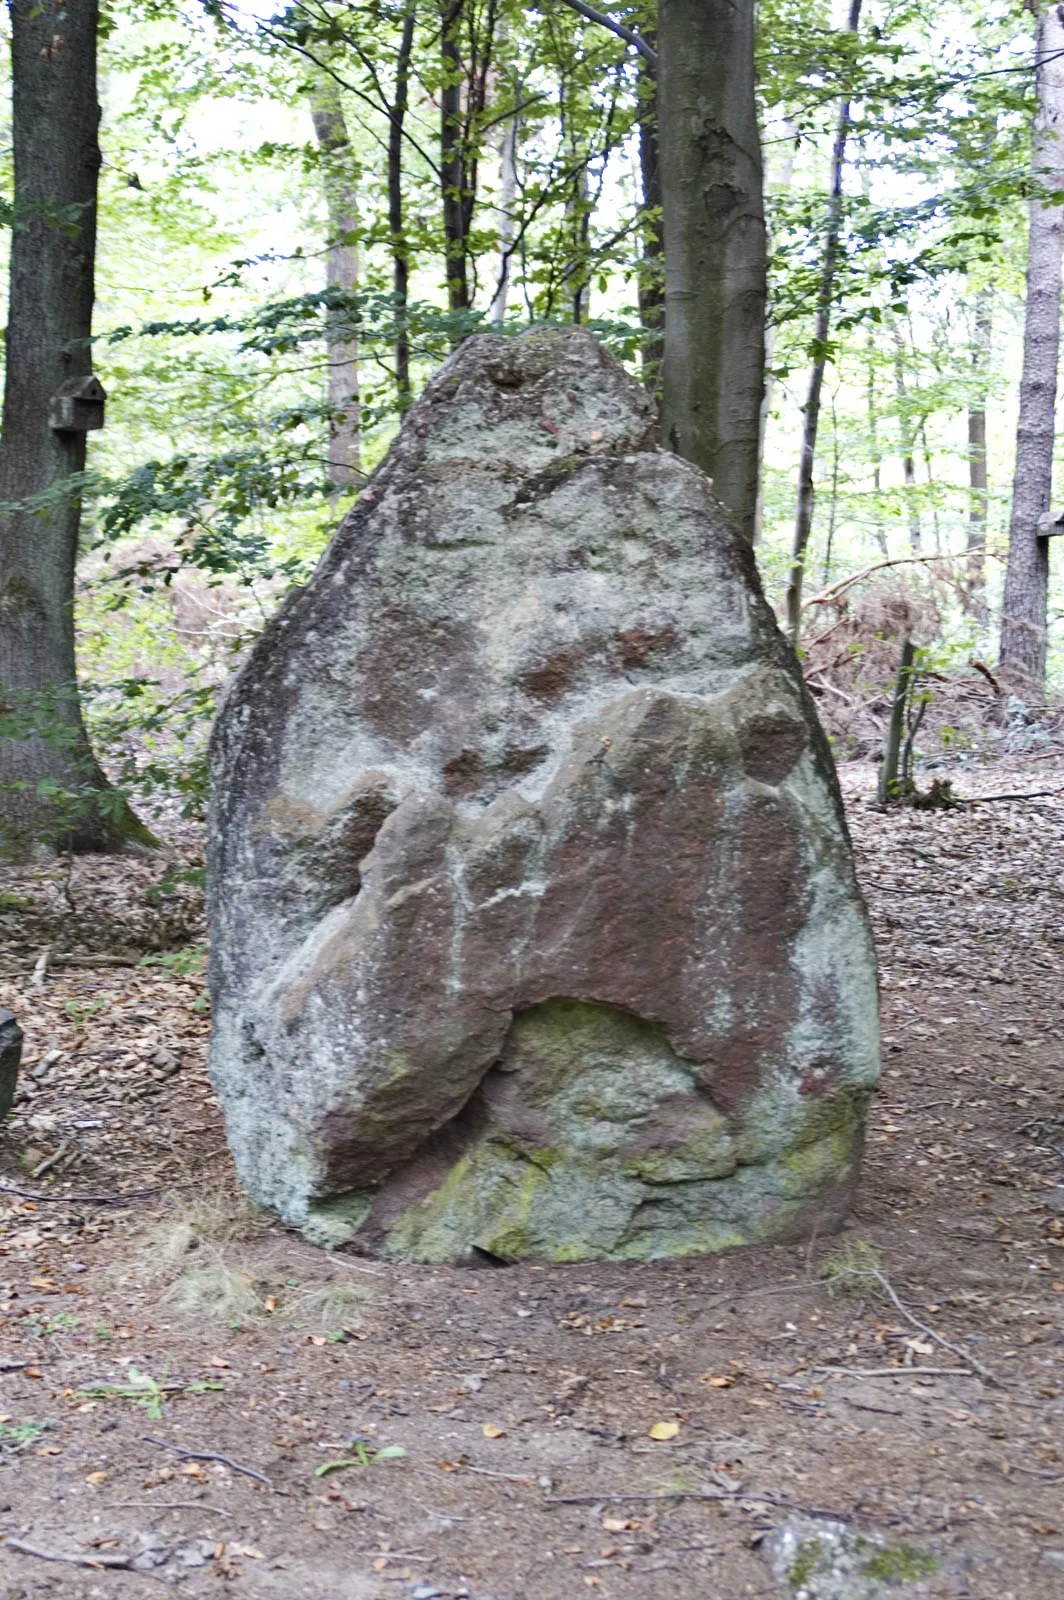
(490, 1431)
(663, 1430)
(96, 1477)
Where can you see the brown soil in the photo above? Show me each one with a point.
(524, 1396)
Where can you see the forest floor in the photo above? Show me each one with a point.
(176, 1372)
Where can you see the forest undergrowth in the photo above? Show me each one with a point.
(190, 1393)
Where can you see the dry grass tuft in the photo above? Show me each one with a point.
(332, 1305)
(216, 1289)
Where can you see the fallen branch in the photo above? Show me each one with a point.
(954, 1349)
(1033, 794)
(900, 1372)
(27, 1549)
(81, 1199)
(834, 590)
(168, 1505)
(736, 1497)
(212, 1455)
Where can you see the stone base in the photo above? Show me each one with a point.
(592, 1138)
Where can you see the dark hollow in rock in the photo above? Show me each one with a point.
(535, 928)
(10, 1057)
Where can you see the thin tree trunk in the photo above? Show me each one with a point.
(341, 272)
(49, 328)
(978, 477)
(929, 468)
(714, 233)
(399, 247)
(779, 180)
(803, 517)
(873, 440)
(452, 163)
(905, 435)
(833, 504)
(507, 196)
(652, 262)
(1023, 620)
(575, 274)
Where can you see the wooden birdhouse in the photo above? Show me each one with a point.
(77, 405)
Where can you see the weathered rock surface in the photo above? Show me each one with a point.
(10, 1057)
(815, 1558)
(535, 930)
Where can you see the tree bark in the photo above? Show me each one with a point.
(978, 477)
(507, 196)
(400, 251)
(778, 180)
(651, 282)
(803, 516)
(452, 163)
(714, 234)
(49, 328)
(873, 442)
(341, 272)
(907, 439)
(1023, 620)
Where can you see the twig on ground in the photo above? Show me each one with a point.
(14, 1366)
(27, 1549)
(168, 1505)
(486, 1472)
(954, 1349)
(81, 1199)
(1033, 794)
(50, 1161)
(212, 1455)
(694, 1494)
(397, 1555)
(899, 1372)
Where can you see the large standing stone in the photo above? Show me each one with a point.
(535, 929)
(10, 1057)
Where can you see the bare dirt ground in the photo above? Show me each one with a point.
(175, 1373)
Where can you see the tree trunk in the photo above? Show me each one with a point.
(56, 794)
(1023, 620)
(979, 501)
(873, 443)
(906, 435)
(578, 221)
(400, 254)
(779, 181)
(452, 161)
(652, 264)
(714, 233)
(803, 517)
(507, 196)
(341, 272)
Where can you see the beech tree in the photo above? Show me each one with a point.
(803, 518)
(714, 238)
(341, 273)
(1023, 619)
(53, 789)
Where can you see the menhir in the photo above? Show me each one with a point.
(535, 928)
